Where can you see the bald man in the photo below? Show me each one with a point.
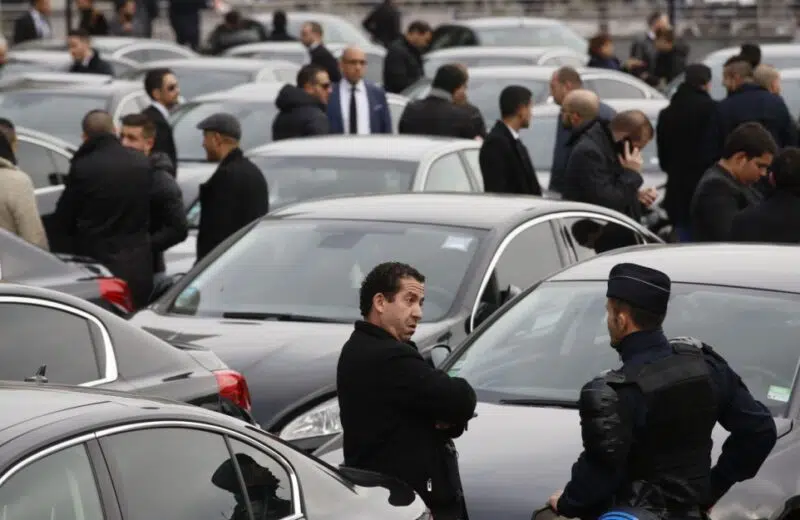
(357, 106)
(579, 108)
(768, 77)
(104, 210)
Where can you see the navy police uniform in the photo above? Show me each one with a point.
(646, 427)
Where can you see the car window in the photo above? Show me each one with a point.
(473, 157)
(62, 162)
(129, 105)
(451, 36)
(607, 88)
(54, 114)
(433, 64)
(483, 92)
(591, 236)
(269, 487)
(447, 174)
(555, 339)
(555, 35)
(790, 92)
(36, 161)
(196, 82)
(147, 464)
(34, 335)
(147, 55)
(572, 61)
(529, 257)
(60, 486)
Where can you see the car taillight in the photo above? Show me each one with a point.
(117, 293)
(233, 386)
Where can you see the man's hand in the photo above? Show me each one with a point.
(553, 502)
(631, 159)
(647, 196)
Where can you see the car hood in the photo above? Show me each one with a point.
(282, 361)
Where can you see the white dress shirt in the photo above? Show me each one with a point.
(514, 133)
(42, 25)
(362, 106)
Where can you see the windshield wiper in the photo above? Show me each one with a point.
(551, 403)
(277, 316)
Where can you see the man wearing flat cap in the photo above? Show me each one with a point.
(236, 194)
(646, 426)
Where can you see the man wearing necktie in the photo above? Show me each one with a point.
(505, 163)
(35, 24)
(357, 106)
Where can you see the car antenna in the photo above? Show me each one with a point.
(39, 376)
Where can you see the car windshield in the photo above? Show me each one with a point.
(314, 269)
(296, 178)
(526, 36)
(540, 139)
(196, 82)
(51, 113)
(335, 31)
(432, 64)
(255, 118)
(556, 339)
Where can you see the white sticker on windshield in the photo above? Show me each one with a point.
(459, 243)
(779, 393)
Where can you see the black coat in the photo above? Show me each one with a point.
(233, 197)
(402, 66)
(164, 142)
(104, 210)
(390, 400)
(94, 22)
(224, 37)
(683, 151)
(436, 115)
(96, 65)
(506, 164)
(168, 225)
(595, 175)
(775, 220)
(383, 23)
(716, 201)
(300, 115)
(322, 57)
(25, 29)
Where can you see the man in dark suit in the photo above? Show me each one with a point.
(311, 36)
(86, 59)
(357, 106)
(35, 24)
(505, 163)
(162, 87)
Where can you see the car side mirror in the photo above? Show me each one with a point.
(164, 285)
(485, 309)
(56, 179)
(436, 355)
(509, 293)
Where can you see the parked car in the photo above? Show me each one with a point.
(492, 56)
(48, 79)
(34, 60)
(336, 29)
(53, 337)
(528, 362)
(507, 31)
(59, 111)
(205, 75)
(139, 50)
(85, 454)
(486, 83)
(277, 300)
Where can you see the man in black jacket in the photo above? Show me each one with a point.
(162, 86)
(168, 225)
(85, 59)
(35, 23)
(236, 194)
(403, 65)
(647, 426)
(682, 149)
(104, 209)
(605, 165)
(438, 114)
(303, 109)
(383, 22)
(398, 413)
(279, 32)
(235, 30)
(728, 186)
(505, 163)
(311, 35)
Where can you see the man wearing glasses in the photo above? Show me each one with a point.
(303, 107)
(357, 106)
(162, 87)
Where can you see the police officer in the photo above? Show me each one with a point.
(646, 427)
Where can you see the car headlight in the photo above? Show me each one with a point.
(323, 419)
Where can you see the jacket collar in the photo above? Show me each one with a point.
(642, 345)
(747, 87)
(376, 332)
(440, 94)
(96, 143)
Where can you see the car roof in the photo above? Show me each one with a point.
(88, 90)
(756, 266)
(277, 46)
(543, 72)
(481, 50)
(374, 146)
(472, 210)
(265, 91)
(50, 139)
(230, 63)
(767, 49)
(507, 21)
(651, 107)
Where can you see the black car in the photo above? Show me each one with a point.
(53, 337)
(59, 111)
(528, 362)
(73, 454)
(277, 300)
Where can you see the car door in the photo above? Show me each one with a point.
(447, 173)
(74, 346)
(216, 482)
(472, 157)
(587, 235)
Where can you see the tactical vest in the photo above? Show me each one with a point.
(670, 460)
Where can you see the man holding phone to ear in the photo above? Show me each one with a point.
(605, 165)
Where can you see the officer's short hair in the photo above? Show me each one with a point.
(142, 121)
(752, 53)
(632, 123)
(385, 279)
(449, 77)
(512, 98)
(154, 80)
(96, 123)
(786, 169)
(644, 320)
(82, 34)
(697, 75)
(419, 27)
(738, 66)
(568, 74)
(750, 138)
(307, 75)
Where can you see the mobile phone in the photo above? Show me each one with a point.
(620, 146)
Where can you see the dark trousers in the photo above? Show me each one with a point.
(186, 25)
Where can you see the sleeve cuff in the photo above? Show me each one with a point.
(565, 507)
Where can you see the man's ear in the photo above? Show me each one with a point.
(379, 302)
